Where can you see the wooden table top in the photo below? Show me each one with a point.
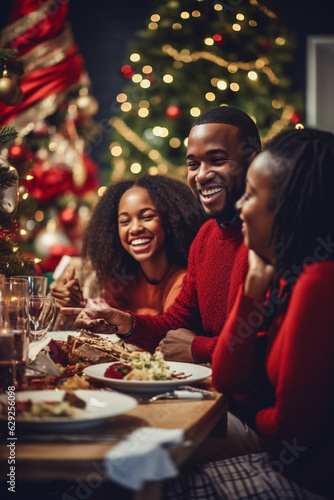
(68, 461)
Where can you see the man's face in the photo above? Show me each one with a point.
(216, 168)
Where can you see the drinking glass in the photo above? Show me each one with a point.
(37, 285)
(7, 362)
(41, 314)
(13, 341)
(12, 288)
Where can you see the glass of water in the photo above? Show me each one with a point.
(41, 314)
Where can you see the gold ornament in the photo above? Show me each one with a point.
(17, 99)
(7, 87)
(87, 105)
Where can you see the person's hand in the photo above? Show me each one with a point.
(176, 346)
(67, 292)
(259, 277)
(107, 320)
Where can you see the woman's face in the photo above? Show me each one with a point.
(139, 225)
(256, 207)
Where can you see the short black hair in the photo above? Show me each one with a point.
(233, 116)
(302, 170)
(178, 208)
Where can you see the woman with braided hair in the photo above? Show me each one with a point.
(281, 325)
(137, 242)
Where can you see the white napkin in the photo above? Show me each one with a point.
(36, 347)
(143, 456)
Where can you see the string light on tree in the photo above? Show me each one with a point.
(239, 57)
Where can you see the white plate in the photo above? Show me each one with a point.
(100, 405)
(195, 372)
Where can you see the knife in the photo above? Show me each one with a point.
(184, 392)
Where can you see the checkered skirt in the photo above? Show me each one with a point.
(247, 477)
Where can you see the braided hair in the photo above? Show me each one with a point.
(302, 162)
(180, 213)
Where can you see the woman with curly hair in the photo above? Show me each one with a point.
(137, 241)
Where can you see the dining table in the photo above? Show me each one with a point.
(78, 460)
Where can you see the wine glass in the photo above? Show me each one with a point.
(37, 285)
(41, 314)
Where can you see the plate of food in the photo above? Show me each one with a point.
(144, 372)
(52, 411)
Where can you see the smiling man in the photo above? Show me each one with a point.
(221, 145)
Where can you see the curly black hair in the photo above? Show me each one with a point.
(178, 208)
(302, 166)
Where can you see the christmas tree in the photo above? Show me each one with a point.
(54, 122)
(193, 56)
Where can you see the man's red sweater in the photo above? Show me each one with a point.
(207, 292)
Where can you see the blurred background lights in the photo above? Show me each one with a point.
(126, 106)
(196, 13)
(115, 149)
(143, 112)
(236, 27)
(174, 142)
(137, 78)
(135, 57)
(121, 97)
(147, 69)
(252, 75)
(177, 26)
(280, 41)
(195, 111)
(218, 7)
(232, 68)
(30, 225)
(217, 38)
(144, 104)
(155, 18)
(221, 85)
(252, 23)
(240, 17)
(185, 15)
(101, 190)
(145, 84)
(209, 41)
(152, 26)
(153, 171)
(154, 154)
(135, 168)
(157, 131)
(167, 78)
(210, 96)
(234, 87)
(39, 215)
(277, 104)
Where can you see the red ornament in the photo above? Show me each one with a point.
(68, 217)
(17, 153)
(173, 113)
(265, 44)
(219, 39)
(127, 71)
(295, 117)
